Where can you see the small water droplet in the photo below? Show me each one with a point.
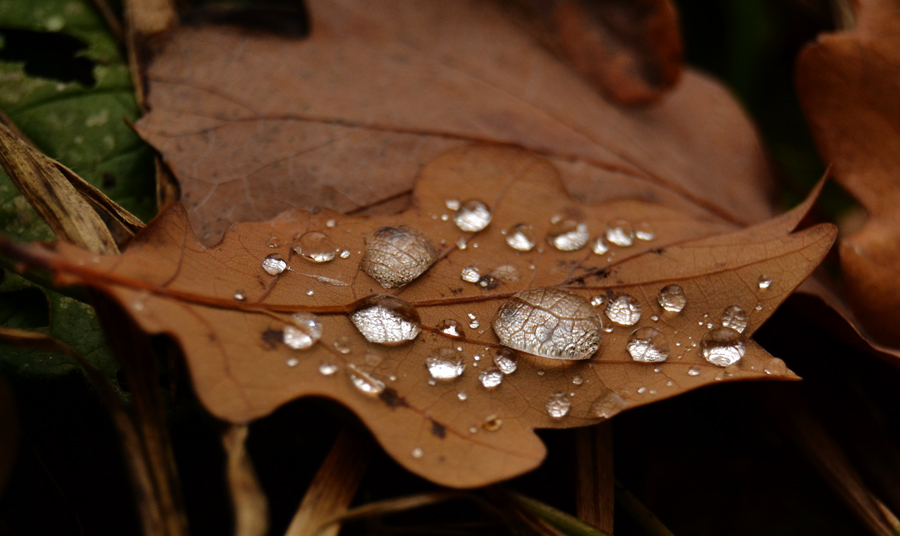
(386, 320)
(608, 328)
(654, 318)
(735, 318)
(558, 405)
(451, 327)
(330, 223)
(598, 301)
(488, 281)
(764, 282)
(644, 231)
(446, 364)
(577, 380)
(365, 382)
(568, 235)
(315, 247)
(620, 233)
(396, 256)
(345, 254)
(775, 367)
(462, 396)
(490, 378)
(472, 216)
(452, 204)
(445, 217)
(470, 274)
(273, 241)
(657, 369)
(304, 333)
(648, 345)
(672, 298)
(417, 453)
(694, 371)
(670, 383)
(540, 373)
(607, 405)
(372, 358)
(600, 245)
(709, 325)
(342, 344)
(474, 324)
(310, 292)
(292, 362)
(473, 429)
(492, 423)
(642, 390)
(274, 264)
(327, 369)
(520, 237)
(240, 296)
(759, 307)
(506, 360)
(549, 322)
(723, 346)
(624, 310)
(506, 272)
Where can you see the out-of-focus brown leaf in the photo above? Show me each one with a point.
(847, 83)
(631, 50)
(457, 433)
(252, 124)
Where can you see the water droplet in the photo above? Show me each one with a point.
(345, 254)
(396, 256)
(505, 359)
(549, 322)
(642, 390)
(447, 364)
(490, 378)
(759, 307)
(452, 204)
(598, 301)
(292, 362)
(488, 281)
(474, 324)
(372, 358)
(472, 216)
(723, 346)
(558, 405)
(342, 344)
(520, 237)
(240, 296)
(364, 381)
(694, 371)
(305, 332)
(540, 373)
(274, 264)
(492, 423)
(607, 405)
(473, 429)
(461, 243)
(764, 282)
(600, 245)
(506, 272)
(568, 235)
(417, 453)
(462, 396)
(644, 231)
(315, 247)
(648, 345)
(470, 274)
(327, 369)
(672, 298)
(654, 318)
(386, 320)
(670, 383)
(608, 328)
(620, 233)
(735, 318)
(273, 241)
(776, 367)
(330, 223)
(577, 380)
(624, 310)
(451, 327)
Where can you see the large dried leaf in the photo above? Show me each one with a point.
(253, 125)
(847, 84)
(457, 433)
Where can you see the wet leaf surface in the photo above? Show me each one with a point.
(254, 124)
(229, 314)
(847, 85)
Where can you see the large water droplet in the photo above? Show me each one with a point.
(447, 364)
(723, 346)
(648, 345)
(451, 327)
(620, 233)
(315, 247)
(672, 298)
(624, 310)
(764, 282)
(274, 264)
(644, 231)
(735, 318)
(520, 237)
(364, 381)
(472, 216)
(568, 235)
(607, 405)
(600, 245)
(549, 322)
(396, 256)
(490, 378)
(306, 331)
(558, 405)
(387, 320)
(506, 360)
(470, 274)
(775, 366)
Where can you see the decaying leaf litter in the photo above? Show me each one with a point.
(728, 316)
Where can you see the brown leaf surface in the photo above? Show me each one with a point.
(171, 284)
(253, 125)
(847, 84)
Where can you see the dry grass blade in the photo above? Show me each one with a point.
(595, 481)
(251, 509)
(331, 491)
(640, 513)
(389, 506)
